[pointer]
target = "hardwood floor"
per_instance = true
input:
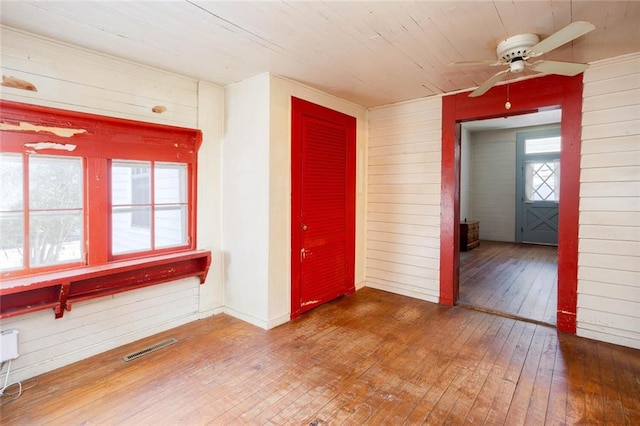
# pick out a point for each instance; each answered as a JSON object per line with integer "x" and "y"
{"x": 369, "y": 358}
{"x": 517, "y": 279}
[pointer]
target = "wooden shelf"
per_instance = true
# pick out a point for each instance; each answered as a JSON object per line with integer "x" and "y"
{"x": 59, "y": 290}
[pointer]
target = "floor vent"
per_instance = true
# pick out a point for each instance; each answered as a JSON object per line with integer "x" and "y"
{"x": 145, "y": 351}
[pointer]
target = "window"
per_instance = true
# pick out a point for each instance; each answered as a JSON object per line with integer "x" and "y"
{"x": 542, "y": 180}
{"x": 143, "y": 218}
{"x": 87, "y": 190}
{"x": 45, "y": 227}
{"x": 92, "y": 206}
{"x": 542, "y": 169}
{"x": 140, "y": 194}
{"x": 542, "y": 145}
{"x": 11, "y": 212}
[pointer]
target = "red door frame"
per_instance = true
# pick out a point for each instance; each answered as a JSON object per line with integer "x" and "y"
{"x": 300, "y": 108}
{"x": 525, "y": 96}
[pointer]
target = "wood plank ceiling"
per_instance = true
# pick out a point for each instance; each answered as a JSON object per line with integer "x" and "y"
{"x": 371, "y": 53}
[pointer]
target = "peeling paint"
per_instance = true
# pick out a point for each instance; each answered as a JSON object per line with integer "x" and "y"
{"x": 51, "y": 145}
{"x": 16, "y": 83}
{"x": 28, "y": 127}
{"x": 310, "y": 302}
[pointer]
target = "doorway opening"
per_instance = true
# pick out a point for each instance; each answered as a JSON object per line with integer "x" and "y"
{"x": 532, "y": 95}
{"x": 509, "y": 199}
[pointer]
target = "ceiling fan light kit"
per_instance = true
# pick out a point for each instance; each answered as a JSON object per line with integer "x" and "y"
{"x": 514, "y": 52}
{"x": 516, "y": 47}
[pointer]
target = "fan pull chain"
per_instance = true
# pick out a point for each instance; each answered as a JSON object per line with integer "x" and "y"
{"x": 507, "y": 105}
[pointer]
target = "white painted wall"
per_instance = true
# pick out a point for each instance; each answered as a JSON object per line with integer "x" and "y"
{"x": 403, "y": 198}
{"x": 245, "y": 183}
{"x": 77, "y": 79}
{"x": 466, "y": 195}
{"x": 211, "y": 123}
{"x": 71, "y": 78}
{"x": 493, "y": 183}
{"x": 257, "y": 195}
{"x": 609, "y": 244}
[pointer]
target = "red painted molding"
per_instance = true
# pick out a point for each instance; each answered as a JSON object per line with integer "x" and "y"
{"x": 98, "y": 140}
{"x": 525, "y": 96}
{"x": 296, "y": 202}
{"x": 98, "y": 136}
{"x": 450, "y": 205}
{"x": 569, "y": 212}
{"x": 59, "y": 290}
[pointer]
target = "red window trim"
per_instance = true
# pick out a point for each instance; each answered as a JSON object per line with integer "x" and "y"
{"x": 60, "y": 289}
{"x": 98, "y": 140}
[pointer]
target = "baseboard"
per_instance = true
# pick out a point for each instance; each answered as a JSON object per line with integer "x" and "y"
{"x": 282, "y": 319}
{"x": 246, "y": 318}
{"x": 211, "y": 312}
{"x": 404, "y": 292}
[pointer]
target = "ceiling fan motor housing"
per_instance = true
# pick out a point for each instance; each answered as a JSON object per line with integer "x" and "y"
{"x": 516, "y": 47}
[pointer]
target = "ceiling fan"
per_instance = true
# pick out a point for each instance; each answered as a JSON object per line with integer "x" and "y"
{"x": 515, "y": 51}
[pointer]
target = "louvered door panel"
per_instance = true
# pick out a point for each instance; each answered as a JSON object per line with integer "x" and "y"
{"x": 325, "y": 220}
{"x": 323, "y": 211}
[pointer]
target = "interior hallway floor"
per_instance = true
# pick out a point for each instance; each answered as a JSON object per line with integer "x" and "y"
{"x": 516, "y": 279}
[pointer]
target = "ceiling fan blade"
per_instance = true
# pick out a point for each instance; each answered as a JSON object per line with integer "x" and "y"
{"x": 484, "y": 87}
{"x": 565, "y": 35}
{"x": 489, "y": 62}
{"x": 561, "y": 68}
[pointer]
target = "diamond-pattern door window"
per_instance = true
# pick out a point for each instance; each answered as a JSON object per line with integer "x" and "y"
{"x": 542, "y": 181}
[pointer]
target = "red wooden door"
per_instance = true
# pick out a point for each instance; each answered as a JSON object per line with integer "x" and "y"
{"x": 323, "y": 205}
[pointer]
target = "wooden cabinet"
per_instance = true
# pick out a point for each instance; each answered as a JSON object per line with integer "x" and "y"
{"x": 469, "y": 235}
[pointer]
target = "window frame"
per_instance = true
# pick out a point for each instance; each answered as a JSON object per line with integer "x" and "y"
{"x": 153, "y": 208}
{"x": 28, "y": 211}
{"x": 98, "y": 140}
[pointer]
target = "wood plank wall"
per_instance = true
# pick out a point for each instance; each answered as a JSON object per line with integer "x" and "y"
{"x": 609, "y": 250}
{"x": 493, "y": 192}
{"x": 75, "y": 79}
{"x": 403, "y": 198}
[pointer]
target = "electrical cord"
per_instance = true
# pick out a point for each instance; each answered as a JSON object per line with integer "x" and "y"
{"x": 13, "y": 395}
{"x": 10, "y": 394}
{"x": 6, "y": 377}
